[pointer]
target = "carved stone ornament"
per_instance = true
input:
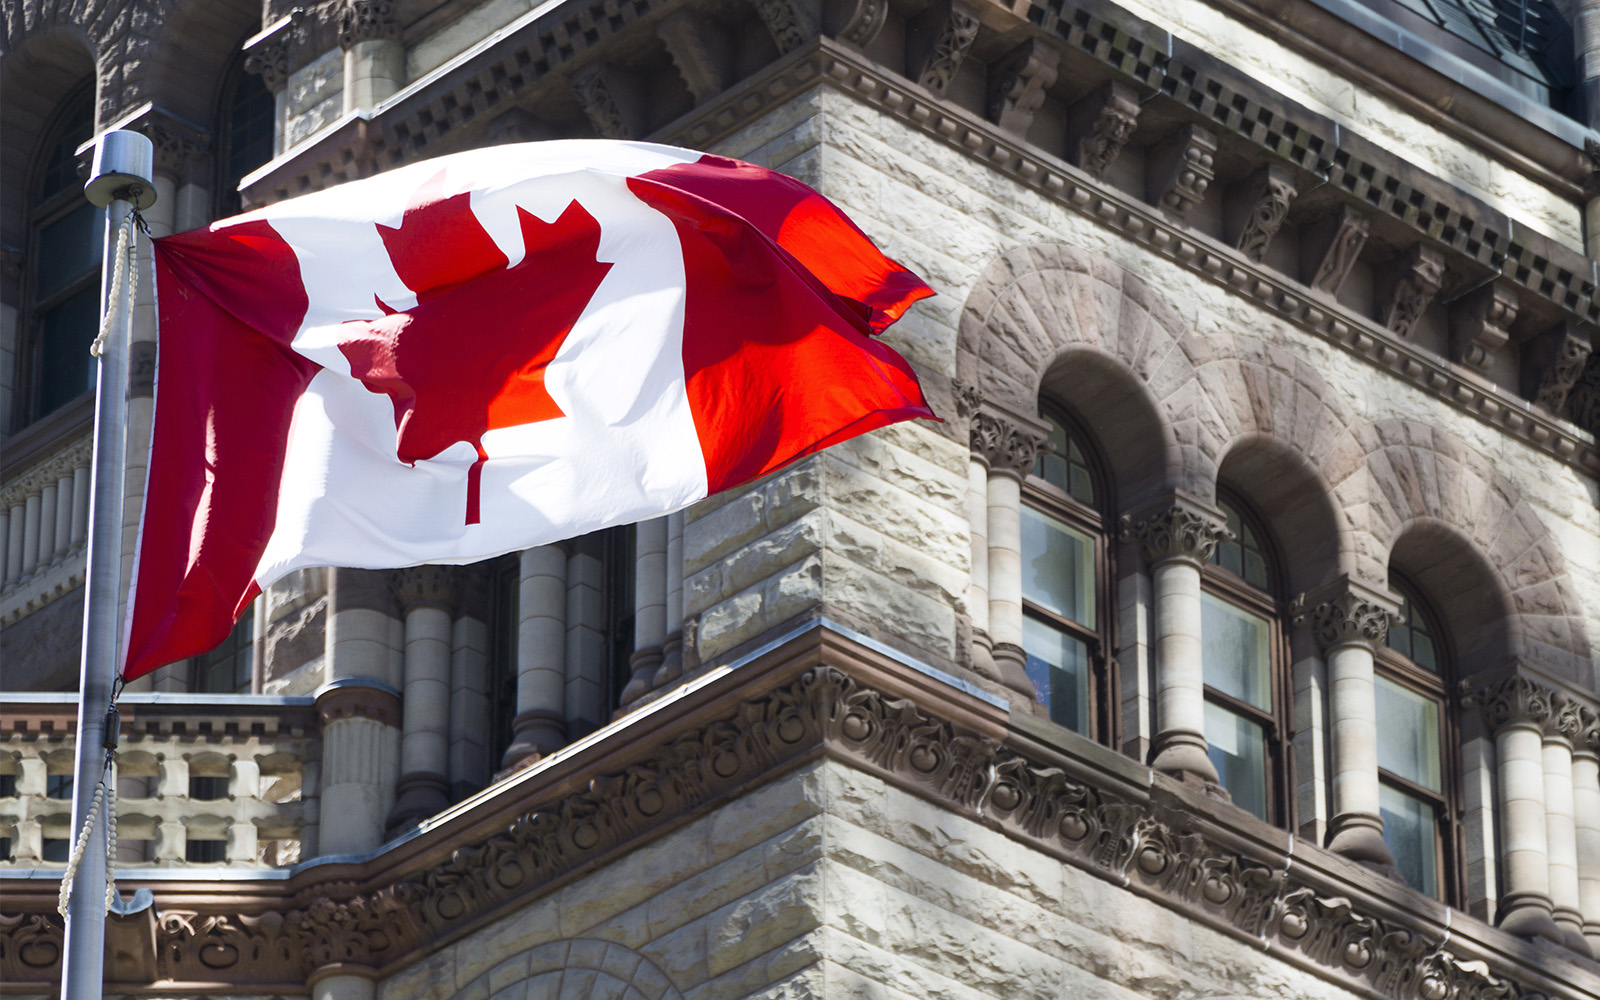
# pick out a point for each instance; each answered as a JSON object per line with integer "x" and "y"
{"x": 367, "y": 21}
{"x": 864, "y": 22}
{"x": 956, "y": 36}
{"x": 1588, "y": 739}
{"x": 1583, "y": 399}
{"x": 1348, "y": 614}
{"x": 1272, "y": 191}
{"x": 789, "y": 22}
{"x": 358, "y": 701}
{"x": 1182, "y": 529}
{"x": 1006, "y": 444}
{"x": 1566, "y": 719}
{"x": 1558, "y": 357}
{"x": 1348, "y": 237}
{"x": 270, "y": 61}
{"x": 1422, "y": 274}
{"x": 1190, "y": 167}
{"x": 600, "y": 104}
{"x": 1514, "y": 701}
{"x": 968, "y": 398}
{"x": 1018, "y": 81}
{"x": 684, "y": 35}
{"x": 425, "y": 586}
{"x": 1481, "y": 323}
{"x": 1149, "y": 845}
{"x": 1114, "y": 123}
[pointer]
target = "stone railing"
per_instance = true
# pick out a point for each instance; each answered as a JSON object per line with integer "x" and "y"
{"x": 201, "y": 779}
{"x": 44, "y": 520}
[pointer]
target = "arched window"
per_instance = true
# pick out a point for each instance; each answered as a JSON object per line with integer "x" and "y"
{"x": 1417, "y": 777}
{"x": 1066, "y": 613}
{"x": 1241, "y": 611}
{"x": 245, "y": 123}
{"x": 62, "y": 286}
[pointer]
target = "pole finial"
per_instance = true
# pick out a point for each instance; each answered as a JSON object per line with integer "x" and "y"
{"x": 124, "y": 168}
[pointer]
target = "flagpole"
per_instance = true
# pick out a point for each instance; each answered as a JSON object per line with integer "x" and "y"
{"x": 120, "y": 181}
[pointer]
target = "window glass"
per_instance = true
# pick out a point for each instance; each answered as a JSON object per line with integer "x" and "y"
{"x": 226, "y": 669}
{"x": 59, "y": 786}
{"x": 67, "y": 329}
{"x": 208, "y": 789}
{"x": 1236, "y": 651}
{"x": 1409, "y": 826}
{"x": 1243, "y": 556}
{"x": 205, "y": 850}
{"x": 1408, "y": 734}
{"x": 70, "y": 248}
{"x": 60, "y": 169}
{"x": 1238, "y": 750}
{"x": 1058, "y": 666}
{"x": 1064, "y": 466}
{"x": 55, "y": 849}
{"x": 1058, "y": 568}
{"x": 1412, "y": 637}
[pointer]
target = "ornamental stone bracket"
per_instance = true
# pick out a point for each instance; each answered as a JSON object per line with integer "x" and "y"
{"x": 790, "y": 22}
{"x": 1102, "y": 123}
{"x": 1017, "y": 84}
{"x": 1049, "y": 790}
{"x": 1344, "y": 237}
{"x": 1269, "y": 193}
{"x": 688, "y": 40}
{"x": 179, "y": 144}
{"x": 1480, "y": 324}
{"x": 1180, "y": 526}
{"x": 1421, "y": 274}
{"x": 1347, "y": 611}
{"x": 940, "y": 44}
{"x": 1552, "y": 363}
{"x": 1007, "y": 442}
{"x": 290, "y": 43}
{"x": 1182, "y": 168}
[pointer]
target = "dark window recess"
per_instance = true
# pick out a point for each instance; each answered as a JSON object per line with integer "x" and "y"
{"x": 205, "y": 850}
{"x": 55, "y": 849}
{"x": 8, "y": 786}
{"x": 5, "y": 848}
{"x": 58, "y": 786}
{"x": 208, "y": 789}
{"x": 248, "y": 115}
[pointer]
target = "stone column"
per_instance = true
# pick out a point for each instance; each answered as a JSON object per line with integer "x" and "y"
{"x": 1517, "y": 710}
{"x": 1351, "y": 621}
{"x": 968, "y": 400}
{"x": 470, "y": 767}
{"x": 343, "y": 981}
{"x": 1561, "y": 732}
{"x": 1007, "y": 445}
{"x": 541, "y": 722}
{"x": 427, "y": 594}
{"x": 649, "y": 607}
{"x": 672, "y": 647}
{"x": 374, "y": 59}
{"x": 1178, "y": 534}
{"x": 1586, "y": 820}
{"x": 586, "y": 636}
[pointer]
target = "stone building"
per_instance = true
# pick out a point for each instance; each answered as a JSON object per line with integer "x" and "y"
{"x": 1233, "y": 635}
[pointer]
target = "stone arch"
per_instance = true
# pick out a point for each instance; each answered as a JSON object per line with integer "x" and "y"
{"x": 119, "y": 35}
{"x": 188, "y": 60}
{"x": 35, "y": 77}
{"x": 1307, "y": 527}
{"x": 1424, "y": 480}
{"x": 1460, "y": 588}
{"x": 586, "y": 968}
{"x": 1035, "y": 310}
{"x": 1119, "y": 415}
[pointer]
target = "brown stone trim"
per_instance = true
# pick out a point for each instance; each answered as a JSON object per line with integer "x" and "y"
{"x": 819, "y": 694}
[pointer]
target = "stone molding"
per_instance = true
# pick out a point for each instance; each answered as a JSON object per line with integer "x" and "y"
{"x": 685, "y": 36}
{"x": 367, "y": 21}
{"x": 968, "y": 398}
{"x": 863, "y": 22}
{"x": 1583, "y": 400}
{"x": 425, "y": 587}
{"x": 1515, "y": 700}
{"x": 290, "y": 43}
{"x": 355, "y": 700}
{"x": 47, "y": 472}
{"x": 1180, "y": 527}
{"x": 1588, "y": 736}
{"x": 1007, "y": 443}
{"x": 1346, "y": 612}
{"x": 1566, "y": 720}
{"x": 1156, "y": 840}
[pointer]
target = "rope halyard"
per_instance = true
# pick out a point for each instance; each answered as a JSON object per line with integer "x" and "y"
{"x": 124, "y": 270}
{"x": 105, "y": 794}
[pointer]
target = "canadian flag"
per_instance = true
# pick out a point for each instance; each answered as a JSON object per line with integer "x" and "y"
{"x": 489, "y": 351}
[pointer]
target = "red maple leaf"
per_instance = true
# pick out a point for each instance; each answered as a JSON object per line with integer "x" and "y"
{"x": 470, "y": 356}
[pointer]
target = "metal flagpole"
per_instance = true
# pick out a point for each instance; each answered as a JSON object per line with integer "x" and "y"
{"x": 120, "y": 181}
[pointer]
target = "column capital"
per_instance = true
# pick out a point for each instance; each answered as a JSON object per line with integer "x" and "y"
{"x": 1179, "y": 526}
{"x": 1010, "y": 443}
{"x": 1566, "y": 720}
{"x": 358, "y": 698}
{"x": 367, "y": 21}
{"x": 1514, "y": 700}
{"x": 1588, "y": 738}
{"x": 1347, "y": 612}
{"x": 425, "y": 586}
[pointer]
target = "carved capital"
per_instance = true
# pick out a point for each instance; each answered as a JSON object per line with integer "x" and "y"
{"x": 1588, "y": 737}
{"x": 1514, "y": 700}
{"x": 1344, "y": 242}
{"x": 686, "y": 37}
{"x": 790, "y": 23}
{"x": 1480, "y": 323}
{"x": 599, "y": 102}
{"x": 267, "y": 54}
{"x": 1180, "y": 527}
{"x": 1007, "y": 443}
{"x": 968, "y": 398}
{"x": 1421, "y": 276}
{"x": 1112, "y": 115}
{"x": 955, "y": 34}
{"x": 1566, "y": 719}
{"x": 1268, "y": 194}
{"x": 1347, "y": 612}
{"x": 425, "y": 587}
{"x": 367, "y": 21}
{"x": 1018, "y": 81}
{"x": 358, "y": 700}
{"x": 1552, "y": 363}
{"x": 1583, "y": 399}
{"x": 1183, "y": 168}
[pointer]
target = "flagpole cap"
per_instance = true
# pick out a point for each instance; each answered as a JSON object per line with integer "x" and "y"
{"x": 124, "y": 169}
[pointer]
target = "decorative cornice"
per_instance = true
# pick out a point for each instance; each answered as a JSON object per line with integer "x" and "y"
{"x": 50, "y": 470}
{"x": 1181, "y": 527}
{"x": 1151, "y": 841}
{"x": 1514, "y": 700}
{"x": 1007, "y": 443}
{"x": 1347, "y": 612}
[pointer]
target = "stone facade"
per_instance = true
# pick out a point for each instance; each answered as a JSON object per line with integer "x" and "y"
{"x": 1267, "y": 286}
